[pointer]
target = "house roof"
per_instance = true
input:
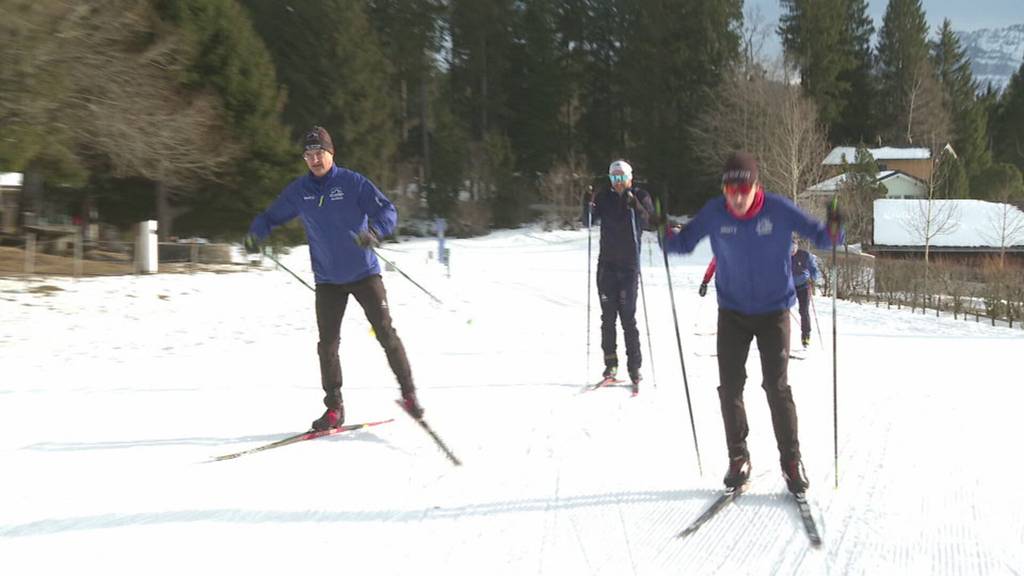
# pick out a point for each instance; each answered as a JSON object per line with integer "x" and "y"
{"x": 10, "y": 179}
{"x": 977, "y": 223}
{"x": 835, "y": 157}
{"x": 834, "y": 183}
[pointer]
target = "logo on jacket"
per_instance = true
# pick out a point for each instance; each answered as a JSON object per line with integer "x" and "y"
{"x": 727, "y": 229}
{"x": 336, "y": 194}
{"x": 764, "y": 226}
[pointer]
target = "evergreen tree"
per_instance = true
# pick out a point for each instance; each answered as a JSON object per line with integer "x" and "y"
{"x": 231, "y": 60}
{"x": 909, "y": 101}
{"x": 1000, "y": 182}
{"x": 970, "y": 134}
{"x": 858, "y": 122}
{"x": 673, "y": 56}
{"x": 859, "y": 191}
{"x": 951, "y": 181}
{"x": 449, "y": 146}
{"x": 1008, "y": 124}
{"x": 830, "y": 42}
{"x": 601, "y": 126}
{"x": 329, "y": 58}
{"x": 480, "y": 32}
{"x": 410, "y": 35}
{"x": 813, "y": 34}
{"x": 537, "y": 88}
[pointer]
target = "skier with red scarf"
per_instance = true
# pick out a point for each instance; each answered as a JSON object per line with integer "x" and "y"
{"x": 750, "y": 231}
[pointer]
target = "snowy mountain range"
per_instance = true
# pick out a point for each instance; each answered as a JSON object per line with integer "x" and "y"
{"x": 995, "y": 53}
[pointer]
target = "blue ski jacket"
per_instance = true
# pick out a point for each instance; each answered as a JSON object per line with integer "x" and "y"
{"x": 333, "y": 209}
{"x": 754, "y": 269}
{"x": 805, "y": 268}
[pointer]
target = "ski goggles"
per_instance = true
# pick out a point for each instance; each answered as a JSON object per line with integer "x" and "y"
{"x": 738, "y": 188}
{"x": 618, "y": 178}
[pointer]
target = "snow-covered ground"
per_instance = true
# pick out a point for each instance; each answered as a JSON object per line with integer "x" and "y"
{"x": 115, "y": 391}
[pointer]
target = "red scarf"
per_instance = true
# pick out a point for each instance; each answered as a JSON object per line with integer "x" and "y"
{"x": 755, "y": 206}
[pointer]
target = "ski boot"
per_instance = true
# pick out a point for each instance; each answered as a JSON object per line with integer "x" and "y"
{"x": 796, "y": 477}
{"x": 739, "y": 471}
{"x": 411, "y": 405}
{"x": 634, "y": 379}
{"x": 332, "y": 418}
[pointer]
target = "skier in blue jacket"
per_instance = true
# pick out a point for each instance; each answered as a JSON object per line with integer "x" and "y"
{"x": 345, "y": 216}
{"x": 805, "y": 274}
{"x": 750, "y": 231}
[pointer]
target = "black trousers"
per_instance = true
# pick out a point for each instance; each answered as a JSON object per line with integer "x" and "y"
{"x": 331, "y": 300}
{"x": 617, "y": 288}
{"x": 803, "y": 296}
{"x": 735, "y": 332}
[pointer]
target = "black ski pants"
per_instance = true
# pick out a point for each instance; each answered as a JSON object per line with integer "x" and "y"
{"x": 803, "y": 296}
{"x": 735, "y": 333}
{"x": 331, "y": 300}
{"x": 617, "y": 288}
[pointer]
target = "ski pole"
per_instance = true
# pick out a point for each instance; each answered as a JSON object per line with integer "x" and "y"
{"x": 814, "y": 310}
{"x": 406, "y": 276}
{"x": 285, "y": 268}
{"x": 643, "y": 296}
{"x": 679, "y": 340}
{"x": 835, "y": 356}
{"x": 590, "y": 222}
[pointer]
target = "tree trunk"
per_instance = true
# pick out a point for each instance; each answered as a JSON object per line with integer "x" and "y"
{"x": 424, "y": 131}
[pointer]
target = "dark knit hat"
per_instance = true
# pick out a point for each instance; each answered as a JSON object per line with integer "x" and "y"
{"x": 740, "y": 167}
{"x": 318, "y": 139}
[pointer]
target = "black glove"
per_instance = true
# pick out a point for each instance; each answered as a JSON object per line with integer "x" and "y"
{"x": 251, "y": 243}
{"x": 703, "y": 290}
{"x": 367, "y": 239}
{"x": 631, "y": 200}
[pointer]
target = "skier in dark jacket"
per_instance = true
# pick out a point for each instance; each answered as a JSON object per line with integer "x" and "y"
{"x": 805, "y": 274}
{"x": 618, "y": 264}
{"x": 344, "y": 215}
{"x": 750, "y": 232}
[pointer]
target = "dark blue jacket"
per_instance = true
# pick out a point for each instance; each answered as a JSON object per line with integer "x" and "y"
{"x": 805, "y": 267}
{"x": 754, "y": 274}
{"x": 618, "y": 246}
{"x": 333, "y": 210}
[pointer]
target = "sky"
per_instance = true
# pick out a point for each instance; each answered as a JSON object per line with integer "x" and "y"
{"x": 116, "y": 392}
{"x": 964, "y": 15}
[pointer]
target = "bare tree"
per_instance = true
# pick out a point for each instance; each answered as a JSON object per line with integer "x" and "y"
{"x": 931, "y": 218}
{"x": 562, "y": 190}
{"x": 1006, "y": 228}
{"x": 93, "y": 73}
{"x": 927, "y": 119}
{"x": 773, "y": 120}
{"x": 1006, "y": 220}
{"x": 795, "y": 142}
{"x": 756, "y": 31}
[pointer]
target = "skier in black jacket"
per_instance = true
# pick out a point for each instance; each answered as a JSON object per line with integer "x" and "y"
{"x": 618, "y": 264}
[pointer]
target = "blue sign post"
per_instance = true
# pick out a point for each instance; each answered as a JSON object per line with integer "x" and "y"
{"x": 440, "y": 225}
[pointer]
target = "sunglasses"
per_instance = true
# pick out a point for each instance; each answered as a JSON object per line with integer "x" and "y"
{"x": 313, "y": 154}
{"x": 618, "y": 178}
{"x": 738, "y": 188}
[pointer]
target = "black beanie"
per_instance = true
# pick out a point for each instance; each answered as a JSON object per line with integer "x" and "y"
{"x": 318, "y": 139}
{"x": 740, "y": 167}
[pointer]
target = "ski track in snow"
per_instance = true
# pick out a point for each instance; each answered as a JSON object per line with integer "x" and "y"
{"x": 146, "y": 377}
